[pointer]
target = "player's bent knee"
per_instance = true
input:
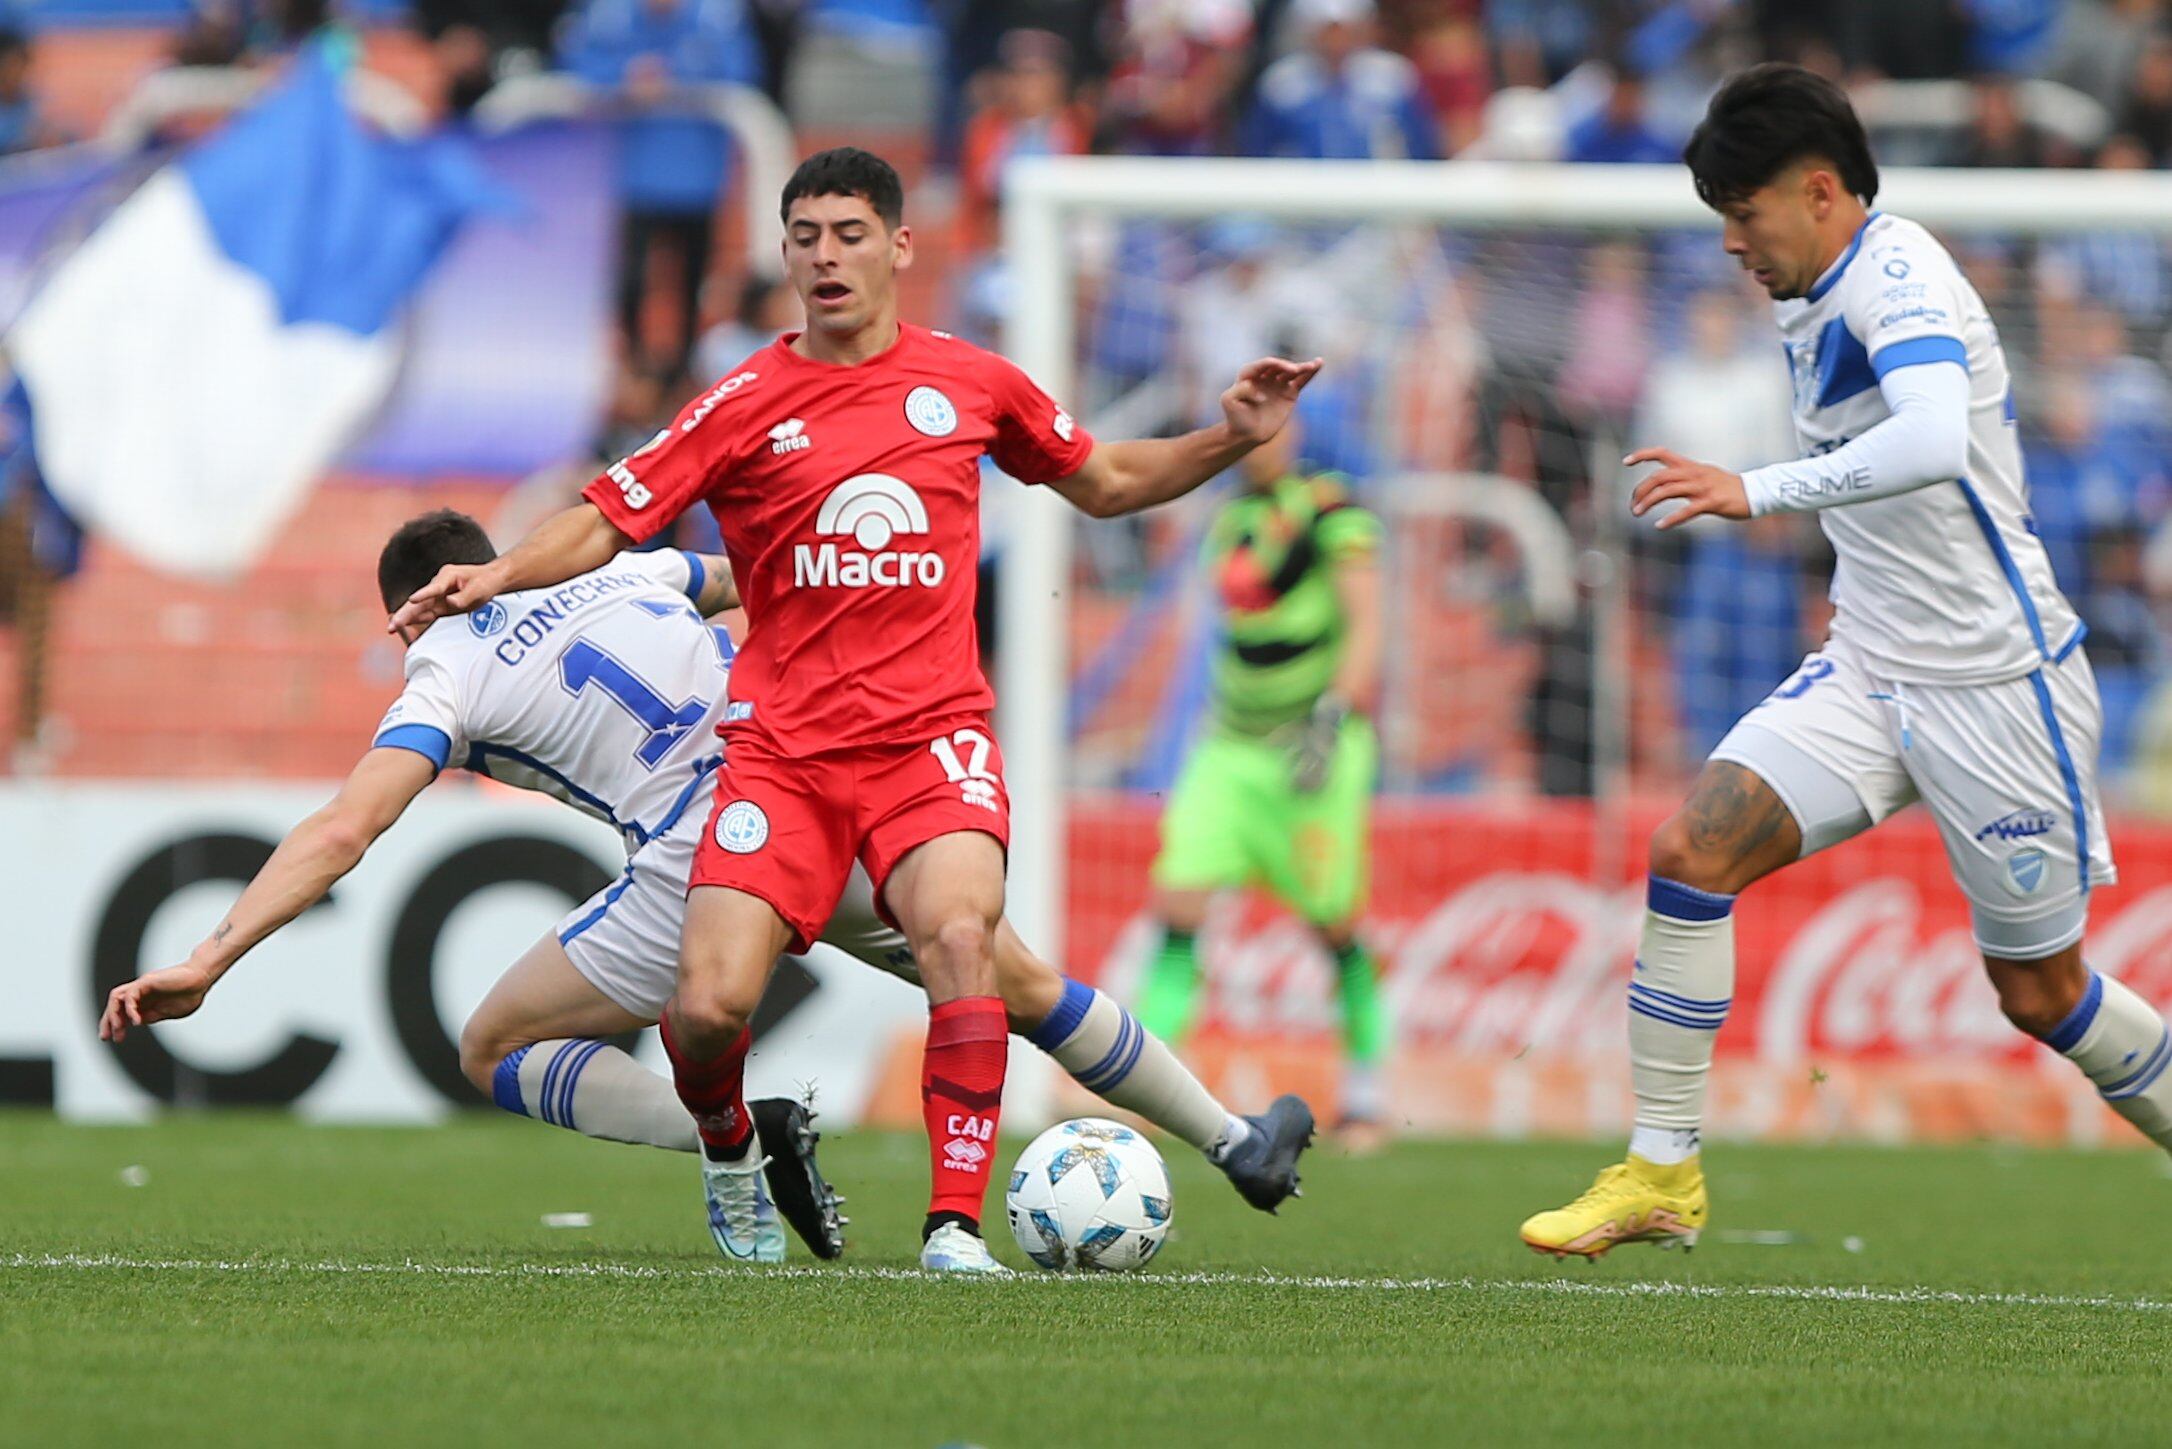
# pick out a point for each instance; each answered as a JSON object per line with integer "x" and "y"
{"x": 710, "y": 1015}
{"x": 1676, "y": 856}
{"x": 481, "y": 1049}
{"x": 958, "y": 957}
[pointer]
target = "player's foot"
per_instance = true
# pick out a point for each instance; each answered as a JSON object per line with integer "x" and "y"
{"x": 955, "y": 1248}
{"x": 1631, "y": 1202}
{"x": 741, "y": 1217}
{"x": 1263, "y": 1167}
{"x": 803, "y": 1197}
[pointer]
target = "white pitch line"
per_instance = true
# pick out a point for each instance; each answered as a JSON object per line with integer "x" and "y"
{"x": 1556, "y": 1287}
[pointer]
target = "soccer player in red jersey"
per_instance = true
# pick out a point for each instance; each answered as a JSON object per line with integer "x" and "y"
{"x": 843, "y": 465}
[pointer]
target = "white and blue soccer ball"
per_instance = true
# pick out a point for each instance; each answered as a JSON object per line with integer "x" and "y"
{"x": 1089, "y": 1193}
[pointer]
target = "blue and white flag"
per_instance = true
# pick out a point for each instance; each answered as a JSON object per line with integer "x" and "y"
{"x": 207, "y": 352}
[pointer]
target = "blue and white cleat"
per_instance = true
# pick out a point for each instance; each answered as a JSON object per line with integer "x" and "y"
{"x": 951, "y": 1248}
{"x": 741, "y": 1217}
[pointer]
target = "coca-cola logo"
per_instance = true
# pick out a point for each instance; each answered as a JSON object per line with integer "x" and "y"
{"x": 1515, "y": 961}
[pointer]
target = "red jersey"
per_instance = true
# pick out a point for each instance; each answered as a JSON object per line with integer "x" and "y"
{"x": 849, "y": 500}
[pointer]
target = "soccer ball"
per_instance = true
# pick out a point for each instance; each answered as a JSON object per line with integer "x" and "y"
{"x": 1090, "y": 1193}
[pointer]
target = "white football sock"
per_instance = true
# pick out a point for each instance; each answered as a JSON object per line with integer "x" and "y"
{"x": 1678, "y": 996}
{"x": 2122, "y": 1044}
{"x": 1120, "y": 1061}
{"x": 593, "y": 1088}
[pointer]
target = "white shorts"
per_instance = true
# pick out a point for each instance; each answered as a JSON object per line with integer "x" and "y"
{"x": 625, "y": 938}
{"x": 2009, "y": 771}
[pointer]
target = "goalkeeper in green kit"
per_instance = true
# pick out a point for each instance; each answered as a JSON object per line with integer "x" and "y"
{"x": 1278, "y": 793}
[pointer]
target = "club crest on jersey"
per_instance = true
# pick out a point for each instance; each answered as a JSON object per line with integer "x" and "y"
{"x": 488, "y": 620}
{"x": 872, "y": 510}
{"x": 2027, "y": 868}
{"x": 789, "y": 436}
{"x": 742, "y": 828}
{"x": 930, "y": 412}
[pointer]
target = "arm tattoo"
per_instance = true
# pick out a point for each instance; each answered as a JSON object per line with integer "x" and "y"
{"x": 218, "y": 937}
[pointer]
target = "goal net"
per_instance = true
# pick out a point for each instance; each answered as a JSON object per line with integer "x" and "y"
{"x": 1496, "y": 338}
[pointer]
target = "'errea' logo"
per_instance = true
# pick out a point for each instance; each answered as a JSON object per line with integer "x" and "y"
{"x": 873, "y": 510}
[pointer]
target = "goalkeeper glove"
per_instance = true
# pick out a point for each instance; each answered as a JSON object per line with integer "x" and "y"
{"x": 1317, "y": 735}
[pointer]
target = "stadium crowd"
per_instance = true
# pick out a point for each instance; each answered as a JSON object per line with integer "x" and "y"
{"x": 1485, "y": 367}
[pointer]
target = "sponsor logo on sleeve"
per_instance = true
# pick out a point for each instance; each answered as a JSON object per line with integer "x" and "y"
{"x": 1063, "y": 425}
{"x": 713, "y": 396}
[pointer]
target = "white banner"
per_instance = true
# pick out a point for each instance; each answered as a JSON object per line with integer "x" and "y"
{"x": 353, "y": 1012}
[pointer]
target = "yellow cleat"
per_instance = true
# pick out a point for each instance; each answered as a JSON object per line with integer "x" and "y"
{"x": 1631, "y": 1202}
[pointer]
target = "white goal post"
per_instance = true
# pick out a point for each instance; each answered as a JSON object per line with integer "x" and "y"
{"x": 1046, "y": 199}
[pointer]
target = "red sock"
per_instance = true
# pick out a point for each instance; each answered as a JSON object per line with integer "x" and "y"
{"x": 961, "y": 1093}
{"x": 713, "y": 1091}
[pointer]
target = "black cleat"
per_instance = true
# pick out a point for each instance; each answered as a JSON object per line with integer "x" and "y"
{"x": 803, "y": 1198}
{"x": 1264, "y": 1166}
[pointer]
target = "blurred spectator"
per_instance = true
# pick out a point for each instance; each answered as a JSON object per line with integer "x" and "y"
{"x": 1738, "y": 625}
{"x": 1610, "y": 341}
{"x": 214, "y": 35}
{"x": 2012, "y": 37}
{"x": 23, "y": 126}
{"x": 672, "y": 165}
{"x": 2132, "y": 402}
{"x": 1619, "y": 132}
{"x": 1339, "y": 97}
{"x": 515, "y": 34}
{"x": 1540, "y": 40}
{"x": 1998, "y": 133}
{"x": 1177, "y": 65}
{"x": 973, "y": 32}
{"x": 2074, "y": 487}
{"x": 2097, "y": 44}
{"x": 1026, "y": 111}
{"x": 767, "y": 309}
{"x": 1907, "y": 39}
{"x": 778, "y": 27}
{"x": 1448, "y": 46}
{"x": 2125, "y": 270}
{"x": 2148, "y": 113}
{"x": 1724, "y": 399}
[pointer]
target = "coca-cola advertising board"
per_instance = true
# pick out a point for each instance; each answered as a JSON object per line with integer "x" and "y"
{"x": 1505, "y": 934}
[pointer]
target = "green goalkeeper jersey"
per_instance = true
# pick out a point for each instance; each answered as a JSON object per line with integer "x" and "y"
{"x": 1272, "y": 553}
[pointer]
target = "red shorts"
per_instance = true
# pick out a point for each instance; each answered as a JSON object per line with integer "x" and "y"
{"x": 787, "y": 829}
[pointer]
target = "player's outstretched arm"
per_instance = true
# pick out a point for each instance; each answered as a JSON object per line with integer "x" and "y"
{"x": 1923, "y": 440}
{"x": 565, "y": 544}
{"x": 1124, "y": 477}
{"x": 315, "y": 854}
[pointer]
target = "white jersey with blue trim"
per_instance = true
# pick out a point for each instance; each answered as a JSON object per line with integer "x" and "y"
{"x": 1945, "y": 584}
{"x": 604, "y": 691}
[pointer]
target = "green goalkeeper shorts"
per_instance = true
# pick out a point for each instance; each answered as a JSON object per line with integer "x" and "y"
{"x": 1235, "y": 819}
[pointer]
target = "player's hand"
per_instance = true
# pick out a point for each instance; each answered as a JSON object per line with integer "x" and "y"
{"x": 1701, "y": 487}
{"x": 164, "y": 995}
{"x": 1258, "y": 403}
{"x": 1313, "y": 757}
{"x": 456, "y": 589}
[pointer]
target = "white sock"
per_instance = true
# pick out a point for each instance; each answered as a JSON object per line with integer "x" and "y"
{"x": 593, "y": 1088}
{"x": 1678, "y": 997}
{"x": 2122, "y": 1044}
{"x": 1111, "y": 1055}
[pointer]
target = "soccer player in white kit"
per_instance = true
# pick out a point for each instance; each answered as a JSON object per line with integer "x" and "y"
{"x": 1954, "y": 673}
{"x": 605, "y": 692}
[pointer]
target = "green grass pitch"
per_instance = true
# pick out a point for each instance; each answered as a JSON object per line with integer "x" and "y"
{"x": 263, "y": 1282}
